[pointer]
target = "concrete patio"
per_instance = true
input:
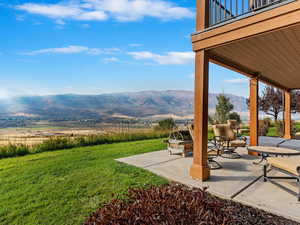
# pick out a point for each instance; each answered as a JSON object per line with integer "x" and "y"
{"x": 239, "y": 180}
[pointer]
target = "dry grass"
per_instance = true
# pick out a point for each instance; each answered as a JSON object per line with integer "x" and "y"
{"x": 24, "y": 145}
{"x": 34, "y": 136}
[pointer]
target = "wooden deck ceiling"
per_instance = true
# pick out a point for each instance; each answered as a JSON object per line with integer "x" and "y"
{"x": 274, "y": 56}
{"x": 265, "y": 44}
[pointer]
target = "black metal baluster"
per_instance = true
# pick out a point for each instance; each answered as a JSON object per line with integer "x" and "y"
{"x": 220, "y": 11}
{"x": 225, "y": 10}
{"x": 215, "y": 11}
{"x": 230, "y": 8}
{"x": 210, "y": 12}
{"x": 243, "y": 6}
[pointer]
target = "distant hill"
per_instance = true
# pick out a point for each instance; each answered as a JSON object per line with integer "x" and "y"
{"x": 143, "y": 104}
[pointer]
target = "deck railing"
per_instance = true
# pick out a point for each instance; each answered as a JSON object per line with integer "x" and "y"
{"x": 224, "y": 10}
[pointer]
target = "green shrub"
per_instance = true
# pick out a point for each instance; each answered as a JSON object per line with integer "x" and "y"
{"x": 267, "y": 121}
{"x": 12, "y": 150}
{"x": 235, "y": 116}
{"x": 59, "y": 143}
{"x": 280, "y": 128}
{"x": 166, "y": 124}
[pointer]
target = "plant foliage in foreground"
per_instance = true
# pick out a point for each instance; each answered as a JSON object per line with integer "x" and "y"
{"x": 180, "y": 205}
{"x": 58, "y": 143}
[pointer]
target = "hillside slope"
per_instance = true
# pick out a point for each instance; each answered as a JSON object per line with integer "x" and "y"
{"x": 135, "y": 104}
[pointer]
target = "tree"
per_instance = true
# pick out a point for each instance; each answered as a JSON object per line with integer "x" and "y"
{"x": 295, "y": 101}
{"x": 272, "y": 102}
{"x": 234, "y": 116}
{"x": 166, "y": 124}
{"x": 211, "y": 119}
{"x": 223, "y": 109}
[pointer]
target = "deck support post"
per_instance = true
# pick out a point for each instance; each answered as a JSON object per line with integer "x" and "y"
{"x": 200, "y": 169}
{"x": 254, "y": 85}
{"x": 287, "y": 115}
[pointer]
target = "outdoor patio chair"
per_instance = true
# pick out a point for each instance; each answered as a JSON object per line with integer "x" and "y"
{"x": 288, "y": 166}
{"x": 212, "y": 151}
{"x": 234, "y": 125}
{"x": 227, "y": 141}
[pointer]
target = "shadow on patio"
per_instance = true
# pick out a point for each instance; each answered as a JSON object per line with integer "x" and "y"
{"x": 239, "y": 179}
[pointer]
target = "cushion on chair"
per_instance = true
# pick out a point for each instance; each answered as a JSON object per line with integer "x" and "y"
{"x": 220, "y": 130}
{"x": 237, "y": 143}
{"x": 224, "y": 131}
{"x": 291, "y": 165}
{"x": 212, "y": 153}
{"x": 233, "y": 124}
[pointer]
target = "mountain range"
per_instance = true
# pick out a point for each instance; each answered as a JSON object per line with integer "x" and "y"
{"x": 144, "y": 104}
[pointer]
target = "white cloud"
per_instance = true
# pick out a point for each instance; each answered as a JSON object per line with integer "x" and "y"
{"x": 191, "y": 76}
{"x": 188, "y": 36}
{"x": 99, "y": 10}
{"x": 51, "y": 10}
{"x": 170, "y": 58}
{"x": 20, "y": 17}
{"x": 74, "y": 49}
{"x": 60, "y": 22}
{"x": 111, "y": 51}
{"x": 93, "y": 15}
{"x": 237, "y": 81}
{"x": 110, "y": 59}
{"x": 135, "y": 45}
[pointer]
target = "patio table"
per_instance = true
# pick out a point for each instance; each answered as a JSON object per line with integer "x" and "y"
{"x": 268, "y": 151}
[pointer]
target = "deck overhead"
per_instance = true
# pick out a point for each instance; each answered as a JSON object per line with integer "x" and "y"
{"x": 274, "y": 56}
{"x": 261, "y": 43}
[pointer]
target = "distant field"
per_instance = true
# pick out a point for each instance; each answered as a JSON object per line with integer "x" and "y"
{"x": 33, "y": 135}
{"x": 30, "y": 128}
{"x": 40, "y": 132}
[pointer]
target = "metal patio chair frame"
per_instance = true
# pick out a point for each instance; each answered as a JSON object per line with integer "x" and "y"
{"x": 289, "y": 176}
{"x": 224, "y": 142}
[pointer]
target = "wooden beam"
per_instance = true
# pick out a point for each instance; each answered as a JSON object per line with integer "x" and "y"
{"x": 275, "y": 19}
{"x": 221, "y": 61}
{"x": 254, "y": 85}
{"x": 200, "y": 169}
{"x": 272, "y": 83}
{"x": 287, "y": 115}
{"x": 231, "y": 65}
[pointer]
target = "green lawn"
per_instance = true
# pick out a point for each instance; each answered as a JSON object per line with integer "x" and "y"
{"x": 64, "y": 187}
{"x": 273, "y": 132}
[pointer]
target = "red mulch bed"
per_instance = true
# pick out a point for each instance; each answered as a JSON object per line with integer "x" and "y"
{"x": 178, "y": 204}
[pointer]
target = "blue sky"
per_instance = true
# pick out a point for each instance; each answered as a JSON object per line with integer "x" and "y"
{"x": 101, "y": 46}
